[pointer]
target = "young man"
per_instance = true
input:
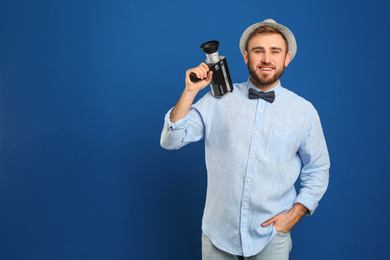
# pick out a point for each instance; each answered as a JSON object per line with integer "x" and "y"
{"x": 255, "y": 140}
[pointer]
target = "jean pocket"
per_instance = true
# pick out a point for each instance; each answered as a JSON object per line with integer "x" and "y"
{"x": 280, "y": 144}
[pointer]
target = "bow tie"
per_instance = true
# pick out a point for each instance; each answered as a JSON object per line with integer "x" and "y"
{"x": 267, "y": 96}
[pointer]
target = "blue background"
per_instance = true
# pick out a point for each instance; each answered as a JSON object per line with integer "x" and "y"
{"x": 84, "y": 87}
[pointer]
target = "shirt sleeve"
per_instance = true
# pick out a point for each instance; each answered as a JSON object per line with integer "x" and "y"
{"x": 316, "y": 163}
{"x": 186, "y": 130}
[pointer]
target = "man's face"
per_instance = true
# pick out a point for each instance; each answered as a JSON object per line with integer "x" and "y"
{"x": 266, "y": 58}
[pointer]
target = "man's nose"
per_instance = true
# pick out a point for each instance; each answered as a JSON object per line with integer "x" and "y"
{"x": 266, "y": 58}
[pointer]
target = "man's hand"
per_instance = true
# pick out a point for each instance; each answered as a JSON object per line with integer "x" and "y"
{"x": 285, "y": 222}
{"x": 202, "y": 72}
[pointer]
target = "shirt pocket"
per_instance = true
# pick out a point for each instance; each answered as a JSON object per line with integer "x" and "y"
{"x": 280, "y": 144}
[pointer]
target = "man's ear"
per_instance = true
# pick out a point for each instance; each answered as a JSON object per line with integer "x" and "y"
{"x": 246, "y": 57}
{"x": 287, "y": 61}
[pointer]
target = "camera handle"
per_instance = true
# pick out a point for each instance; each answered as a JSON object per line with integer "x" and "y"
{"x": 194, "y": 78}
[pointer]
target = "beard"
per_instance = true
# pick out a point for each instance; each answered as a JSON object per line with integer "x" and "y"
{"x": 261, "y": 79}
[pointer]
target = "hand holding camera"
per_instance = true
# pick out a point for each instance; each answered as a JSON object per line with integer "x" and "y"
{"x": 221, "y": 83}
{"x": 203, "y": 76}
{"x": 215, "y": 72}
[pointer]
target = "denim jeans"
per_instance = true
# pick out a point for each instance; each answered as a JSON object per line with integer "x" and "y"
{"x": 279, "y": 248}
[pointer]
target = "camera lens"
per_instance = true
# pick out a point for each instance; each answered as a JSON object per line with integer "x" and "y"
{"x": 210, "y": 47}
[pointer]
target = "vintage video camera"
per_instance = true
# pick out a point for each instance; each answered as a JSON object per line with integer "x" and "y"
{"x": 221, "y": 83}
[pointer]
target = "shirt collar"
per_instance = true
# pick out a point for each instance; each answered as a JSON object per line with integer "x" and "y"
{"x": 277, "y": 88}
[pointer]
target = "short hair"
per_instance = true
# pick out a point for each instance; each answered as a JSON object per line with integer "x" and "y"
{"x": 265, "y": 29}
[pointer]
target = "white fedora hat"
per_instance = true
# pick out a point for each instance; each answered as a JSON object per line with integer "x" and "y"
{"x": 292, "y": 44}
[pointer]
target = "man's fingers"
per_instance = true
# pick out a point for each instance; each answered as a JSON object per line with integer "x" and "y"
{"x": 201, "y": 71}
{"x": 204, "y": 66}
{"x": 269, "y": 222}
{"x": 209, "y": 76}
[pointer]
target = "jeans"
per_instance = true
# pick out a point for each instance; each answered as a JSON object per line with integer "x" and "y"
{"x": 279, "y": 248}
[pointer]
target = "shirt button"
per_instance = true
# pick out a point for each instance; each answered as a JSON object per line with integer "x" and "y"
{"x": 243, "y": 229}
{"x": 256, "y": 133}
{"x": 284, "y": 134}
{"x": 259, "y": 109}
{"x": 244, "y": 204}
{"x": 252, "y": 156}
{"x": 248, "y": 180}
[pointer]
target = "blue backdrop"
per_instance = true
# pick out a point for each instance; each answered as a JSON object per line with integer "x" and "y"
{"x": 84, "y": 87}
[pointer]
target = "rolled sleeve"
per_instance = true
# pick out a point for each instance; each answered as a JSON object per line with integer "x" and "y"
{"x": 182, "y": 132}
{"x": 315, "y": 158}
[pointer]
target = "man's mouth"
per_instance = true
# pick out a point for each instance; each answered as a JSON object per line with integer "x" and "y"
{"x": 266, "y": 68}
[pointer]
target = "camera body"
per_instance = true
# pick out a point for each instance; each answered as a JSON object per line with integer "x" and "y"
{"x": 221, "y": 82}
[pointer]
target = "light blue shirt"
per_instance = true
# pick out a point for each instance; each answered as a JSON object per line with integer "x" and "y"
{"x": 254, "y": 151}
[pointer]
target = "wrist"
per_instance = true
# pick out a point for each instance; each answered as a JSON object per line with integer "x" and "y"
{"x": 190, "y": 93}
{"x": 298, "y": 210}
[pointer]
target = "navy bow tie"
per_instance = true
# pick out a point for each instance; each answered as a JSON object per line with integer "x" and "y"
{"x": 267, "y": 96}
